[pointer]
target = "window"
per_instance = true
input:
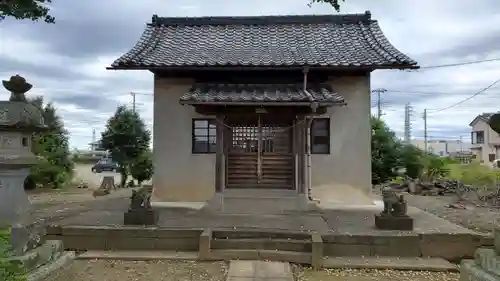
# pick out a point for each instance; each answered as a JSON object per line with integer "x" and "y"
{"x": 24, "y": 141}
{"x": 478, "y": 137}
{"x": 320, "y": 136}
{"x": 203, "y": 136}
{"x": 491, "y": 157}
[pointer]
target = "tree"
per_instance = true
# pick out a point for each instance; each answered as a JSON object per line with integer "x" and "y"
{"x": 127, "y": 138}
{"x": 334, "y": 3}
{"x": 26, "y": 9}
{"x": 55, "y": 166}
{"x": 142, "y": 169}
{"x": 412, "y": 161}
{"x": 386, "y": 152}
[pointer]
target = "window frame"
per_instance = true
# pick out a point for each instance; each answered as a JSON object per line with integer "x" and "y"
{"x": 312, "y": 136}
{"x": 477, "y": 139}
{"x": 210, "y": 121}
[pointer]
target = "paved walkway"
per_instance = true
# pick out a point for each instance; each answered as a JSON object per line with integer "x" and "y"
{"x": 259, "y": 271}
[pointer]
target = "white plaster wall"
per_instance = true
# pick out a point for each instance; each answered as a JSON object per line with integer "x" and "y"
{"x": 182, "y": 176}
{"x": 179, "y": 175}
{"x": 349, "y": 161}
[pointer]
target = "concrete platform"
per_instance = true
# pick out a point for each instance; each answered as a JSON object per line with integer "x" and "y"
{"x": 259, "y": 270}
{"x": 345, "y": 231}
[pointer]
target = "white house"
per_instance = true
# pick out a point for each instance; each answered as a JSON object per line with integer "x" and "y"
{"x": 261, "y": 103}
{"x": 485, "y": 141}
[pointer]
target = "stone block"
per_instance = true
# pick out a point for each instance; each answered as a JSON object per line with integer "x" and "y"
{"x": 49, "y": 251}
{"x": 131, "y": 244}
{"x": 84, "y": 243}
{"x": 488, "y": 260}
{"x": 469, "y": 271}
{"x": 140, "y": 217}
{"x": 177, "y": 244}
{"x": 316, "y": 251}
{"x": 348, "y": 239}
{"x": 205, "y": 241}
{"x": 386, "y": 222}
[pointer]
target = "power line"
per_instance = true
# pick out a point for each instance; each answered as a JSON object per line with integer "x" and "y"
{"x": 466, "y": 99}
{"x": 458, "y": 64}
{"x": 379, "y": 104}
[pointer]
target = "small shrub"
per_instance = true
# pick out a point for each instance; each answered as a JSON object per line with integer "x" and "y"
{"x": 9, "y": 271}
{"x": 142, "y": 169}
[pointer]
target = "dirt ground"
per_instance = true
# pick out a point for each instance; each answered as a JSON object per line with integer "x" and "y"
{"x": 101, "y": 270}
{"x": 372, "y": 275}
{"x": 466, "y": 214}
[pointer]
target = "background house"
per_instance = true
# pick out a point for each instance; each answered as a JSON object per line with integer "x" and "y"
{"x": 443, "y": 147}
{"x": 485, "y": 141}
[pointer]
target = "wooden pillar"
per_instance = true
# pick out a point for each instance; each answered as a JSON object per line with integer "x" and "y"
{"x": 301, "y": 155}
{"x": 219, "y": 154}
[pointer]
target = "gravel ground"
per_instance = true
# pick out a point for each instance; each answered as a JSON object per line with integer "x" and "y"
{"x": 373, "y": 275}
{"x": 101, "y": 270}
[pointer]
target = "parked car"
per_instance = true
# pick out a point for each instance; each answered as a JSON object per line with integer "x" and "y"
{"x": 105, "y": 165}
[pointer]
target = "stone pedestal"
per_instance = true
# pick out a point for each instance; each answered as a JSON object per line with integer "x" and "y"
{"x": 486, "y": 263}
{"x": 389, "y": 222}
{"x": 140, "y": 217}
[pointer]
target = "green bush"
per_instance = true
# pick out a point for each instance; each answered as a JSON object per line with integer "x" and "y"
{"x": 142, "y": 169}
{"x": 9, "y": 271}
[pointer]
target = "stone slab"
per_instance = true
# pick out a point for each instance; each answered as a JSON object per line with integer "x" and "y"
{"x": 259, "y": 270}
{"x": 393, "y": 222}
{"x": 394, "y": 263}
{"x": 469, "y": 271}
{"x": 138, "y": 255}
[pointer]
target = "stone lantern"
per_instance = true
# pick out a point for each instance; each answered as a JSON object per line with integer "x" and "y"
{"x": 19, "y": 119}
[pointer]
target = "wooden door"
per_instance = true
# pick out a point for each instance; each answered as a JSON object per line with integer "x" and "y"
{"x": 260, "y": 153}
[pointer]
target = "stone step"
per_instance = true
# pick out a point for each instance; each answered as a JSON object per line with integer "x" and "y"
{"x": 259, "y": 270}
{"x": 138, "y": 255}
{"x": 488, "y": 260}
{"x": 393, "y": 263}
{"x": 470, "y": 271}
{"x": 49, "y": 251}
{"x": 270, "y": 255}
{"x": 262, "y": 244}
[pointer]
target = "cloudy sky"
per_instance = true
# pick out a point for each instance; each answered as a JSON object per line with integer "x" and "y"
{"x": 66, "y": 61}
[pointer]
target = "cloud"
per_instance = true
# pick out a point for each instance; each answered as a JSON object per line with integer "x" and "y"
{"x": 66, "y": 62}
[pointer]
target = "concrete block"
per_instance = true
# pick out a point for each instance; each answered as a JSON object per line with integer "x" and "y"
{"x": 29, "y": 260}
{"x": 49, "y": 251}
{"x": 97, "y": 231}
{"x": 396, "y": 246}
{"x": 83, "y": 243}
{"x": 178, "y": 233}
{"x": 346, "y": 250}
{"x": 54, "y": 230}
{"x": 316, "y": 251}
{"x": 469, "y": 271}
{"x": 452, "y": 247}
{"x": 177, "y": 244}
{"x": 204, "y": 247}
{"x": 348, "y": 239}
{"x": 131, "y": 243}
{"x": 295, "y": 257}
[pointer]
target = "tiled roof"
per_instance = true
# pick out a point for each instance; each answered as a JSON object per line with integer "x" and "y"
{"x": 344, "y": 41}
{"x": 260, "y": 93}
{"x": 485, "y": 116}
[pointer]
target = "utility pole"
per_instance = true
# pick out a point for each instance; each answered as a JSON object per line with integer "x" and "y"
{"x": 407, "y": 124}
{"x": 379, "y": 101}
{"x": 425, "y": 131}
{"x": 133, "y": 101}
{"x": 461, "y": 144}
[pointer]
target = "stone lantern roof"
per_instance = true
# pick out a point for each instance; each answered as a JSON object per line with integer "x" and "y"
{"x": 17, "y": 114}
